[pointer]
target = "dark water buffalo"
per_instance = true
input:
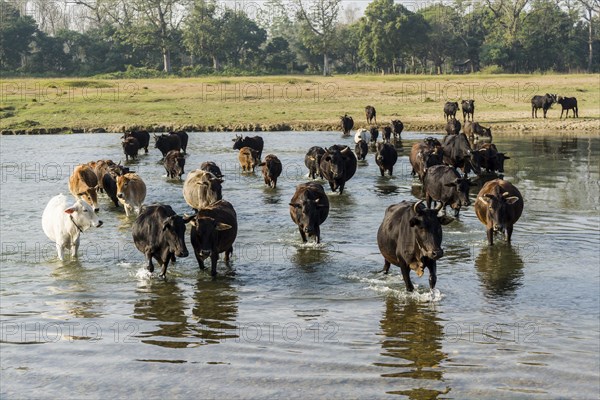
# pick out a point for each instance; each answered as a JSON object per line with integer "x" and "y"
{"x": 174, "y": 162}
{"x": 544, "y": 102}
{"x": 371, "y": 114}
{"x": 131, "y": 146}
{"x": 468, "y": 109}
{"x": 338, "y": 165}
{"x": 312, "y": 160}
{"x": 271, "y": 169}
{"x": 386, "y": 158}
{"x": 397, "y": 128}
{"x": 410, "y": 237}
{"x": 166, "y": 143}
{"x": 143, "y": 137}
{"x": 568, "y": 103}
{"x": 445, "y": 185}
{"x": 183, "y": 138}
{"x": 374, "y": 134}
{"x": 459, "y": 154}
{"x": 255, "y": 143}
{"x": 309, "y": 208}
{"x": 387, "y": 134}
{"x": 210, "y": 166}
{"x": 109, "y": 181}
{"x": 424, "y": 155}
{"x": 214, "y": 229}
{"x": 347, "y": 124}
{"x": 201, "y": 189}
{"x": 491, "y": 159}
{"x": 450, "y": 109}
{"x": 249, "y": 159}
{"x": 158, "y": 232}
{"x": 499, "y": 206}
{"x": 361, "y": 149}
{"x": 478, "y": 133}
{"x": 453, "y": 127}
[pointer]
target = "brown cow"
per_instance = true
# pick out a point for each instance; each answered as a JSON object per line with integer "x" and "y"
{"x": 271, "y": 169}
{"x": 131, "y": 192}
{"x": 424, "y": 155}
{"x": 201, "y": 189}
{"x": 83, "y": 184}
{"x": 499, "y": 206}
{"x": 249, "y": 159}
{"x": 102, "y": 167}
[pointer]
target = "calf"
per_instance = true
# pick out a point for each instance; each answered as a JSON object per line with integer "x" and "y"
{"x": 312, "y": 160}
{"x": 458, "y": 153}
{"x": 338, "y": 165}
{"x": 371, "y": 114}
{"x": 387, "y": 134}
{"x": 450, "y": 109}
{"x": 453, "y": 127}
{"x": 271, "y": 169}
{"x": 159, "y": 233}
{"x": 214, "y": 229}
{"x": 386, "y": 158}
{"x": 347, "y": 124}
{"x": 143, "y": 138}
{"x": 568, "y": 103}
{"x": 444, "y": 184}
{"x": 83, "y": 184}
{"x": 131, "y": 146}
{"x": 362, "y": 134}
{"x": 201, "y": 189}
{"x": 424, "y": 155}
{"x": 248, "y": 159}
{"x": 499, "y": 206}
{"x": 478, "y": 133}
{"x": 361, "y": 149}
{"x": 166, "y": 143}
{"x": 309, "y": 208}
{"x": 468, "y": 109}
{"x": 255, "y": 143}
{"x": 397, "y": 128}
{"x": 174, "y": 162}
{"x": 63, "y": 223}
{"x": 131, "y": 192}
{"x": 544, "y": 102}
{"x": 410, "y": 237}
{"x": 183, "y": 138}
{"x": 210, "y": 166}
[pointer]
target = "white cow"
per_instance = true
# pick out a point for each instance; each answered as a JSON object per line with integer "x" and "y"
{"x": 362, "y": 134}
{"x": 63, "y": 223}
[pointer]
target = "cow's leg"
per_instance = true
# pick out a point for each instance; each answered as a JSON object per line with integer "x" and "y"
{"x": 490, "y": 236}
{"x": 406, "y": 276}
{"x": 432, "y": 274}
{"x": 60, "y": 251}
{"x": 150, "y": 266}
{"x": 386, "y": 267}
{"x": 342, "y": 186}
{"x": 213, "y": 262}
{"x": 228, "y": 254}
{"x": 428, "y": 199}
{"x": 456, "y": 211}
{"x": 318, "y": 234}
{"x": 509, "y": 231}
{"x": 74, "y": 248}
{"x": 391, "y": 170}
{"x": 561, "y": 113}
{"x": 199, "y": 259}
{"x": 302, "y": 234}
{"x": 576, "y": 110}
{"x": 382, "y": 170}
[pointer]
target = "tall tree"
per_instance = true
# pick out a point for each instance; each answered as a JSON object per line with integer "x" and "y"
{"x": 202, "y": 32}
{"x": 589, "y": 8}
{"x": 16, "y": 34}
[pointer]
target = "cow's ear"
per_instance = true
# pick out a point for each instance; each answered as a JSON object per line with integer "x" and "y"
{"x": 506, "y": 157}
{"x": 166, "y": 225}
{"x": 512, "y": 199}
{"x": 414, "y": 221}
{"x": 262, "y": 164}
{"x": 189, "y": 218}
{"x": 70, "y": 210}
{"x": 223, "y": 227}
{"x": 445, "y": 219}
{"x": 295, "y": 205}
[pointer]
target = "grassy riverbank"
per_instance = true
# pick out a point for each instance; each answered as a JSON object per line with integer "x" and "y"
{"x": 289, "y": 102}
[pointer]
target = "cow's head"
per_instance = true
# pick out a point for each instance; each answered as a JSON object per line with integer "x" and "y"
{"x": 307, "y": 215}
{"x": 173, "y": 229}
{"x": 209, "y": 188}
{"x": 473, "y": 161}
{"x": 336, "y": 163}
{"x": 497, "y": 204}
{"x": 462, "y": 185}
{"x": 427, "y": 227}
{"x": 237, "y": 142}
{"x": 179, "y": 165}
{"x": 499, "y": 161}
{"x": 83, "y": 215}
{"x": 122, "y": 185}
{"x": 207, "y": 233}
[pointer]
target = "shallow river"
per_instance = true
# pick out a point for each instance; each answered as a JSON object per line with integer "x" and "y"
{"x": 293, "y": 320}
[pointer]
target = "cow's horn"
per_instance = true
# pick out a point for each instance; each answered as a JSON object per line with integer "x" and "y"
{"x": 345, "y": 150}
{"x": 505, "y": 194}
{"x": 416, "y": 206}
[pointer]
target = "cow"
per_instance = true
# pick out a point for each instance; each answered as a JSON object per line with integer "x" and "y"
{"x": 109, "y": 181}
{"x": 397, "y": 128}
{"x": 453, "y": 127}
{"x": 248, "y": 159}
{"x": 101, "y": 167}
{"x": 478, "y": 133}
{"x": 544, "y": 102}
{"x": 131, "y": 192}
{"x": 347, "y": 124}
{"x": 387, "y": 134}
{"x": 131, "y": 146}
{"x": 568, "y": 103}
{"x": 410, "y": 237}
{"x": 444, "y": 184}
{"x": 63, "y": 224}
{"x": 362, "y": 134}
{"x": 183, "y": 138}
{"x": 174, "y": 162}
{"x": 166, "y": 143}
{"x": 309, "y": 208}
{"x": 83, "y": 184}
{"x": 374, "y": 134}
{"x": 361, "y": 149}
{"x": 424, "y": 155}
{"x": 159, "y": 233}
{"x": 491, "y": 159}
{"x": 499, "y": 206}
{"x": 450, "y": 109}
{"x": 386, "y": 158}
{"x": 458, "y": 153}
{"x": 468, "y": 109}
{"x": 210, "y": 166}
{"x": 338, "y": 165}
{"x": 255, "y": 143}
{"x": 143, "y": 137}
{"x": 371, "y": 114}
{"x": 201, "y": 189}
{"x": 271, "y": 169}
{"x": 312, "y": 160}
{"x": 214, "y": 229}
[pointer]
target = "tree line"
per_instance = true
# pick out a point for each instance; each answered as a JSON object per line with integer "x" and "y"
{"x": 145, "y": 38}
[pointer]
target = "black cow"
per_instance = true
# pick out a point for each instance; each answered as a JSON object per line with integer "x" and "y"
{"x": 491, "y": 159}
{"x": 312, "y": 160}
{"x": 210, "y": 166}
{"x": 568, "y": 103}
{"x": 271, "y": 169}
{"x": 410, "y": 237}
{"x": 338, "y": 165}
{"x": 214, "y": 229}
{"x": 444, "y": 184}
{"x": 174, "y": 162}
{"x": 468, "y": 109}
{"x": 347, "y": 124}
{"x": 131, "y": 146}
{"x": 386, "y": 158}
{"x": 450, "y": 109}
{"x": 166, "y": 143}
{"x": 183, "y": 137}
{"x": 544, "y": 102}
{"x": 387, "y": 134}
{"x": 478, "y": 133}
{"x": 453, "y": 127}
{"x": 374, "y": 134}
{"x": 397, "y": 128}
{"x": 361, "y": 149}
{"x": 459, "y": 154}
{"x": 424, "y": 155}
{"x": 371, "y": 114}
{"x": 158, "y": 232}
{"x": 143, "y": 138}
{"x": 109, "y": 181}
{"x": 309, "y": 208}
{"x": 255, "y": 143}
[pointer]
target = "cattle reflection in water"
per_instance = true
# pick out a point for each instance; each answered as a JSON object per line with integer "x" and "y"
{"x": 413, "y": 342}
{"x": 500, "y": 270}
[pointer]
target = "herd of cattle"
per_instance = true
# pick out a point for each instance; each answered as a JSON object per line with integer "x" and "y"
{"x": 410, "y": 235}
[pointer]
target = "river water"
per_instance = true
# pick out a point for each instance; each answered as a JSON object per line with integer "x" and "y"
{"x": 293, "y": 320}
